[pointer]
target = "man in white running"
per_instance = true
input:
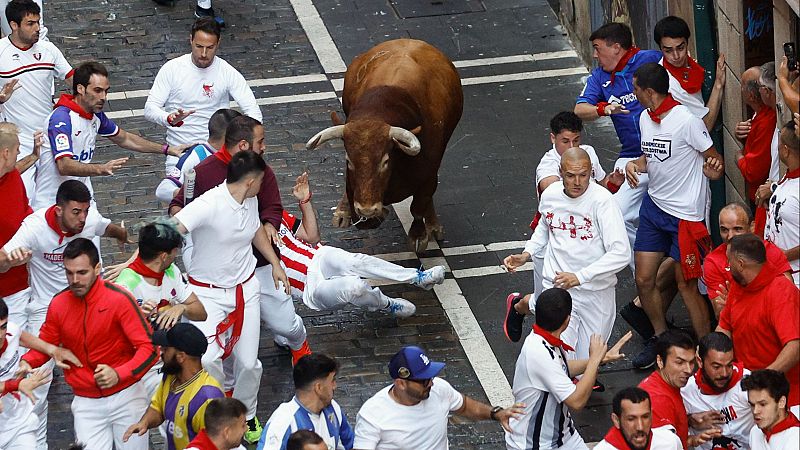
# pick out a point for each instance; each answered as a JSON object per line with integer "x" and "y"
{"x": 633, "y": 427}
{"x": 585, "y": 243}
{"x": 190, "y": 88}
{"x": 777, "y": 428}
{"x": 41, "y": 239}
{"x": 28, "y": 65}
{"x": 224, "y": 222}
{"x": 328, "y": 278}
{"x": 714, "y": 396}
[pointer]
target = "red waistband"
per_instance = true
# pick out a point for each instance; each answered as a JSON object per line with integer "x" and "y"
{"x": 209, "y": 285}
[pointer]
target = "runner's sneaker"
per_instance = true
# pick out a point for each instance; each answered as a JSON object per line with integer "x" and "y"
{"x": 254, "y": 430}
{"x": 400, "y": 307}
{"x": 427, "y": 278}
{"x": 208, "y": 12}
{"x": 647, "y": 357}
{"x": 299, "y": 353}
{"x": 637, "y": 319}
{"x": 512, "y": 326}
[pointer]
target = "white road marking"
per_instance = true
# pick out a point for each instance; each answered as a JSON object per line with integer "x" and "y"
{"x": 526, "y": 57}
{"x": 318, "y": 36}
{"x": 523, "y": 76}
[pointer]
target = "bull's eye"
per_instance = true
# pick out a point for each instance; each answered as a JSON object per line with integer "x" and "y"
{"x": 384, "y": 163}
{"x": 350, "y": 165}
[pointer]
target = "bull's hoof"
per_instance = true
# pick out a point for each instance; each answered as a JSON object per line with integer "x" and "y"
{"x": 341, "y": 219}
{"x": 418, "y": 245}
{"x": 437, "y": 231}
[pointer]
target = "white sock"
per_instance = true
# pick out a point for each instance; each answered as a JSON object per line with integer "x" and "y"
{"x": 205, "y": 4}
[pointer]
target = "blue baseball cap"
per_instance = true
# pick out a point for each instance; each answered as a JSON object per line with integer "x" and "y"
{"x": 411, "y": 363}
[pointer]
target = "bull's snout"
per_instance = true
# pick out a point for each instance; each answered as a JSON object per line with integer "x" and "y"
{"x": 369, "y": 211}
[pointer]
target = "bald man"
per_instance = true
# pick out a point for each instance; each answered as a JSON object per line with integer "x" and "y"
{"x": 583, "y": 237}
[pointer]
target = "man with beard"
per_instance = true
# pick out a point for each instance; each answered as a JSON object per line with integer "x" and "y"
{"x": 413, "y": 411}
{"x": 714, "y": 397}
{"x": 761, "y": 313}
{"x": 103, "y": 326}
{"x": 734, "y": 219}
{"x": 312, "y": 408}
{"x": 675, "y": 357}
{"x": 41, "y": 239}
{"x": 776, "y": 427}
{"x": 632, "y": 425}
{"x": 185, "y": 391}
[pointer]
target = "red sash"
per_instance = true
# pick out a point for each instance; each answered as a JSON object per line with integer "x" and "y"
{"x": 234, "y": 320}
{"x": 694, "y": 243}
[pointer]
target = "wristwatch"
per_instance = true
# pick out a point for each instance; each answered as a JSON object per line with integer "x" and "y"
{"x": 495, "y": 410}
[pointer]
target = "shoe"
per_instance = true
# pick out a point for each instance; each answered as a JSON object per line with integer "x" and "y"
{"x": 638, "y": 320}
{"x": 426, "y": 279}
{"x": 512, "y": 326}
{"x": 299, "y": 353}
{"x": 165, "y": 2}
{"x": 282, "y": 347}
{"x": 399, "y": 307}
{"x": 254, "y": 430}
{"x": 208, "y": 12}
{"x": 647, "y": 357}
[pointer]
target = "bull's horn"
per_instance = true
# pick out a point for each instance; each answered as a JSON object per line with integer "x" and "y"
{"x": 405, "y": 140}
{"x": 334, "y": 132}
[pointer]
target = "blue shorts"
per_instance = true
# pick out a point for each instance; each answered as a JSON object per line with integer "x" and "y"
{"x": 658, "y": 231}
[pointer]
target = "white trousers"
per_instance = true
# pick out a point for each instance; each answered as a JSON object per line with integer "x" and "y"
{"x": 538, "y": 277}
{"x": 21, "y": 438}
{"x": 35, "y": 313}
{"x": 593, "y": 312}
{"x": 336, "y": 278}
{"x": 18, "y": 307}
{"x": 630, "y": 200}
{"x": 101, "y": 422}
{"x": 277, "y": 310}
{"x": 220, "y": 302}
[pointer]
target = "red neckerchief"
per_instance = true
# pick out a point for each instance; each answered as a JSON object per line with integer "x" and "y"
{"x": 52, "y": 221}
{"x": 552, "y": 340}
{"x": 789, "y": 422}
{"x": 68, "y": 101}
{"x": 690, "y": 77}
{"x": 624, "y": 61}
{"x": 223, "y": 155}
{"x": 139, "y": 267}
{"x": 707, "y": 389}
{"x": 5, "y": 344}
{"x": 790, "y": 174}
{"x": 202, "y": 441}
{"x": 617, "y": 440}
{"x": 665, "y": 106}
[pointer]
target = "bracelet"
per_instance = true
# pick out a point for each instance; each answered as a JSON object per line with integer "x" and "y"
{"x": 495, "y": 410}
{"x": 601, "y": 108}
{"x": 308, "y": 199}
{"x": 613, "y": 187}
{"x": 10, "y": 386}
{"x": 165, "y": 149}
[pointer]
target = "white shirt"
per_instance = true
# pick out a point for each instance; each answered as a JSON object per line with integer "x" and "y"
{"x": 783, "y": 220}
{"x": 46, "y": 267}
{"x": 17, "y": 415}
{"x": 69, "y": 135}
{"x": 181, "y": 84}
{"x": 542, "y": 382}
{"x": 733, "y": 406}
{"x": 585, "y": 236}
{"x": 694, "y": 102}
{"x": 788, "y": 439}
{"x": 775, "y": 166}
{"x": 226, "y": 229}
{"x": 292, "y": 416}
{"x": 173, "y": 288}
{"x": 384, "y": 424}
{"x": 675, "y": 162}
{"x": 34, "y": 69}
{"x": 663, "y": 439}
{"x": 550, "y": 164}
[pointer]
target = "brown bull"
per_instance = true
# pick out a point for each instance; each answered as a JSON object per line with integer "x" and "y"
{"x": 403, "y": 100}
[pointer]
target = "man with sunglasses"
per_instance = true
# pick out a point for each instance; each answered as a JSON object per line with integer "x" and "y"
{"x": 412, "y": 411}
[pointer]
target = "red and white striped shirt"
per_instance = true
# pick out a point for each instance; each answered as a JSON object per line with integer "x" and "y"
{"x": 296, "y": 253}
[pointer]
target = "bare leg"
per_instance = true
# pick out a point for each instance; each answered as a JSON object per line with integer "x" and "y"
{"x": 695, "y": 303}
{"x": 647, "y": 264}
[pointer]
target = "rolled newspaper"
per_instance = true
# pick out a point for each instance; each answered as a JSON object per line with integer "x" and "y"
{"x": 188, "y": 187}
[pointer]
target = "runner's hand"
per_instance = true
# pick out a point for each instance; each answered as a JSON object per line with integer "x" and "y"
{"x": 38, "y": 138}
{"x": 64, "y": 357}
{"x": 615, "y": 108}
{"x": 272, "y": 234}
{"x": 632, "y": 174}
{"x": 140, "y": 428}
{"x": 513, "y": 262}
{"x": 614, "y": 354}
{"x": 105, "y": 376}
{"x": 301, "y": 190}
{"x": 109, "y": 167}
{"x": 36, "y": 379}
{"x": 279, "y": 276}
{"x": 742, "y": 130}
{"x": 506, "y": 414}
{"x": 170, "y": 317}
{"x": 713, "y": 168}
{"x": 177, "y": 116}
{"x": 565, "y": 280}
{"x": 8, "y": 90}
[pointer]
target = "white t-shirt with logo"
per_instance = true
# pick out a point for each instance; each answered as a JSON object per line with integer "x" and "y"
{"x": 783, "y": 220}
{"x": 542, "y": 382}
{"x": 46, "y": 267}
{"x": 675, "y": 162}
{"x": 384, "y": 424}
{"x": 17, "y": 415}
{"x": 735, "y": 410}
{"x": 226, "y": 229}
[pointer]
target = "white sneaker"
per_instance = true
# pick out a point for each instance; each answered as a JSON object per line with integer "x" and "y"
{"x": 399, "y": 307}
{"x": 426, "y": 279}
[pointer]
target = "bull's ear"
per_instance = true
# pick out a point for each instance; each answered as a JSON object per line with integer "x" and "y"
{"x": 335, "y": 118}
{"x": 416, "y": 131}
